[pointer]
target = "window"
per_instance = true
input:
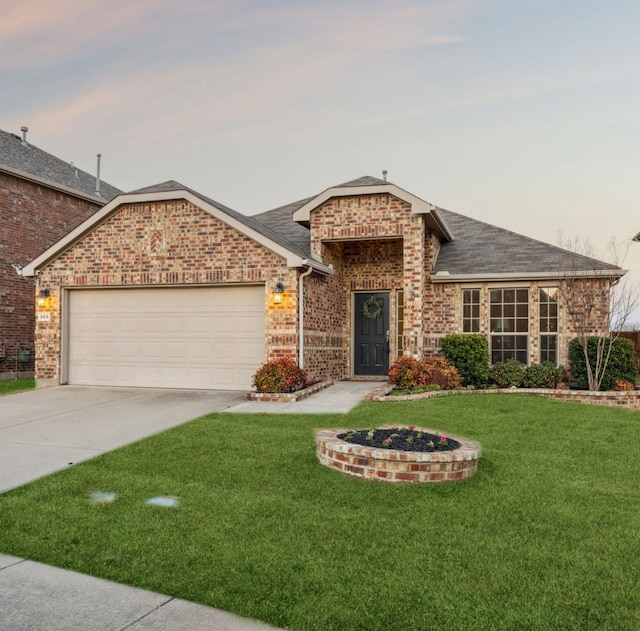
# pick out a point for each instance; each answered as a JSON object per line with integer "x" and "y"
{"x": 509, "y": 324}
{"x": 548, "y": 304}
{"x": 400, "y": 322}
{"x": 471, "y": 310}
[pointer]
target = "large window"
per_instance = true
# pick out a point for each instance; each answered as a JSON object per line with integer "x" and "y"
{"x": 471, "y": 310}
{"x": 509, "y": 324}
{"x": 548, "y": 301}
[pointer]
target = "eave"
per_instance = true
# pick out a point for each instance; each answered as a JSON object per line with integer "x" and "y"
{"x": 445, "y": 277}
{"x": 52, "y": 185}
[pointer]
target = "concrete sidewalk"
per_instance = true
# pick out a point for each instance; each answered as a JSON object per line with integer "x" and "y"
{"x": 43, "y": 431}
{"x": 338, "y": 398}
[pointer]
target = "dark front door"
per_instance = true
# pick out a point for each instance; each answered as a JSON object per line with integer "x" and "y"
{"x": 371, "y": 335}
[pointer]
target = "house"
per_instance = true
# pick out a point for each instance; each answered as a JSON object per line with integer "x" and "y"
{"x": 41, "y": 199}
{"x": 164, "y": 287}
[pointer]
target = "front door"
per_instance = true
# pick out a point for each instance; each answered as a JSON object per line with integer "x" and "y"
{"x": 371, "y": 334}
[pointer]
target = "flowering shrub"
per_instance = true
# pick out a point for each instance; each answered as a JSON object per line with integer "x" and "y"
{"x": 409, "y": 373}
{"x": 622, "y": 385}
{"x": 280, "y": 375}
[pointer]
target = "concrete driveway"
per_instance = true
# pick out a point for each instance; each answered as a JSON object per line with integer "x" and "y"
{"x": 43, "y": 431}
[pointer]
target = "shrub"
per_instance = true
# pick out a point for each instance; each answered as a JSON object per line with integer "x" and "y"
{"x": 279, "y": 375}
{"x": 545, "y": 375}
{"x": 440, "y": 372}
{"x": 508, "y": 374}
{"x": 405, "y": 373}
{"x": 623, "y": 386}
{"x": 408, "y": 373}
{"x": 469, "y": 353}
{"x": 621, "y": 364}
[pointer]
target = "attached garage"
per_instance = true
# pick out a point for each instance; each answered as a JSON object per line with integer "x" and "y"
{"x": 169, "y": 337}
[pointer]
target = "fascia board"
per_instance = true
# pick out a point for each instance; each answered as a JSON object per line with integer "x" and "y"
{"x": 31, "y": 269}
{"x": 52, "y": 185}
{"x": 515, "y": 276}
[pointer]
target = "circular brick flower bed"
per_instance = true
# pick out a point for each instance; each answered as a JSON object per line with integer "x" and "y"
{"x": 394, "y": 465}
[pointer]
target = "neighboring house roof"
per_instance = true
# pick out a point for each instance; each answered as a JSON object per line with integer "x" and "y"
{"x": 28, "y": 161}
{"x": 172, "y": 190}
{"x": 482, "y": 250}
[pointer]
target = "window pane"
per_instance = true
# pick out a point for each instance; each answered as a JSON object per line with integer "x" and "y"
{"x": 509, "y": 295}
{"x": 522, "y": 295}
{"x": 496, "y": 295}
{"x": 522, "y": 311}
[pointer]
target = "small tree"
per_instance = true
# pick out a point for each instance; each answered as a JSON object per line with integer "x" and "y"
{"x": 597, "y": 300}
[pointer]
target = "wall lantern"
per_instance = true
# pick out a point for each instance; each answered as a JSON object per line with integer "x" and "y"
{"x": 44, "y": 298}
{"x": 278, "y": 290}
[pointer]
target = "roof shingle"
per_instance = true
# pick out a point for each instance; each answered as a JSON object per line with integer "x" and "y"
{"x": 32, "y": 161}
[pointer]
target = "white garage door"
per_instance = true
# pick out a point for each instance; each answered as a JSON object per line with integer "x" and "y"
{"x": 204, "y": 337}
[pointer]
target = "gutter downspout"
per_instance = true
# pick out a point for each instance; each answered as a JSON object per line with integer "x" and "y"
{"x": 301, "y": 316}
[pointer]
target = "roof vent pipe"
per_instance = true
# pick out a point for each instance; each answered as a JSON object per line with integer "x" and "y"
{"x": 98, "y": 177}
{"x": 384, "y": 175}
{"x": 24, "y": 131}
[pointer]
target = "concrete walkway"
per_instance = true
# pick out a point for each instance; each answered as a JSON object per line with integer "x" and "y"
{"x": 43, "y": 431}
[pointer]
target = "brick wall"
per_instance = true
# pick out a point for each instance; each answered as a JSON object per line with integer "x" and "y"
{"x": 32, "y": 218}
{"x": 167, "y": 243}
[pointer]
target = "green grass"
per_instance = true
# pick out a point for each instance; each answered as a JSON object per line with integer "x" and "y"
{"x": 9, "y": 386}
{"x": 546, "y": 535}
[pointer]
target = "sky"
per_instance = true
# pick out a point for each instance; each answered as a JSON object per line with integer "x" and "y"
{"x": 522, "y": 114}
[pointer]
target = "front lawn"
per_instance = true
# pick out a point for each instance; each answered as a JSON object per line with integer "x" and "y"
{"x": 545, "y": 536}
{"x": 9, "y": 386}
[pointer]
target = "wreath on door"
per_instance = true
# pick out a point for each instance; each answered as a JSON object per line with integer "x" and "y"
{"x": 371, "y": 308}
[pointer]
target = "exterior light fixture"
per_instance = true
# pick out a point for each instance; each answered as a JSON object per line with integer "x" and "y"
{"x": 43, "y": 298}
{"x": 278, "y": 290}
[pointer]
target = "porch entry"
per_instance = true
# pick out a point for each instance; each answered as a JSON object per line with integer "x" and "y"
{"x": 371, "y": 334}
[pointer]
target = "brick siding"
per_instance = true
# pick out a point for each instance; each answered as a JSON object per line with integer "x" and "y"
{"x": 32, "y": 218}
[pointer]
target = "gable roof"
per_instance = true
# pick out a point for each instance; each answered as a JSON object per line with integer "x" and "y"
{"x": 367, "y": 185}
{"x": 172, "y": 190}
{"x": 29, "y": 162}
{"x": 476, "y": 250}
{"x": 481, "y": 250}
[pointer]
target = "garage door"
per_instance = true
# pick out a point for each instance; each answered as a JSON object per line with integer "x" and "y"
{"x": 205, "y": 337}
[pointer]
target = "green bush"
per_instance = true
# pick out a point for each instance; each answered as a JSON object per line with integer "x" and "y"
{"x": 508, "y": 374}
{"x": 621, "y": 364}
{"x": 279, "y": 375}
{"x": 545, "y": 375}
{"x": 469, "y": 353}
{"x": 407, "y": 373}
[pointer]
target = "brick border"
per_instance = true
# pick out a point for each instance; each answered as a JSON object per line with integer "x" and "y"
{"x": 630, "y": 400}
{"x": 288, "y": 397}
{"x": 393, "y": 465}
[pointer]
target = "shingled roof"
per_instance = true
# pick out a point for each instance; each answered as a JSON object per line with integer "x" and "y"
{"x": 478, "y": 249}
{"x": 483, "y": 249}
{"x": 20, "y": 158}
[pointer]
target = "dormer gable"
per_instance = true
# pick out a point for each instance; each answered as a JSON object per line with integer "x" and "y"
{"x": 367, "y": 186}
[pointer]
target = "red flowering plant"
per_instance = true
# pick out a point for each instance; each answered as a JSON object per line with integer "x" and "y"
{"x": 622, "y": 385}
{"x": 280, "y": 375}
{"x": 408, "y": 373}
